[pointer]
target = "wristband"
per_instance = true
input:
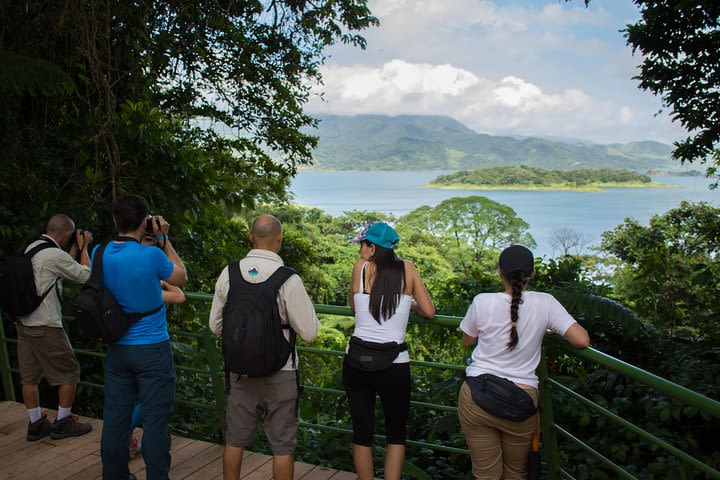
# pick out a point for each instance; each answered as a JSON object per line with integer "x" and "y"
{"x": 160, "y": 238}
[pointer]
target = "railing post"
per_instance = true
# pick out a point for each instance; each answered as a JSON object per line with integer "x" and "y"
{"x": 8, "y": 386}
{"x": 218, "y": 379}
{"x": 547, "y": 421}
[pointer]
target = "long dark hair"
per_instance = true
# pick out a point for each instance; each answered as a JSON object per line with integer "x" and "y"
{"x": 518, "y": 280}
{"x": 388, "y": 284}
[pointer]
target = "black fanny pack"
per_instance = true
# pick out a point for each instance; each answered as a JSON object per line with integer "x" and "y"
{"x": 371, "y": 356}
{"x": 501, "y": 397}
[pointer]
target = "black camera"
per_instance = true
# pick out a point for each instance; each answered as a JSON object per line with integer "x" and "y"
{"x": 149, "y": 225}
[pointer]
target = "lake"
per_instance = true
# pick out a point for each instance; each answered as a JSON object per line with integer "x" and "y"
{"x": 589, "y": 213}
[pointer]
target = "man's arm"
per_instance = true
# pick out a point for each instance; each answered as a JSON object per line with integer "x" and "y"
{"x": 299, "y": 308}
{"x": 179, "y": 273}
{"x": 222, "y": 286}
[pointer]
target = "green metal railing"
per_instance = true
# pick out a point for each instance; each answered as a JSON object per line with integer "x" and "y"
{"x": 549, "y": 427}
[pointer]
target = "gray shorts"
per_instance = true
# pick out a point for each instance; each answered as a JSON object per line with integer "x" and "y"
{"x": 46, "y": 351}
{"x": 276, "y": 397}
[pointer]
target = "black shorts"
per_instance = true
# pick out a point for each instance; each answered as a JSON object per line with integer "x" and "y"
{"x": 393, "y": 386}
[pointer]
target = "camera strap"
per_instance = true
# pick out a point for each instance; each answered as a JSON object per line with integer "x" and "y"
{"x": 123, "y": 238}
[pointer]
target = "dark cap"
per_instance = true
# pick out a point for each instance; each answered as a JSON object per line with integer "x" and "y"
{"x": 516, "y": 258}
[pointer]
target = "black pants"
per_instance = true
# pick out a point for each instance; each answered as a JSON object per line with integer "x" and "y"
{"x": 393, "y": 386}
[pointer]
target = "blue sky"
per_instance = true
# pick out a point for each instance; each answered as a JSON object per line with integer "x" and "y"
{"x": 540, "y": 68}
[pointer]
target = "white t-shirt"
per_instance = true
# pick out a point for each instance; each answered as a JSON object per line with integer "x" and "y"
{"x": 488, "y": 319}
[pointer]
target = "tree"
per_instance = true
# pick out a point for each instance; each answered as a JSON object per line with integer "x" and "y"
{"x": 566, "y": 240}
{"x": 103, "y": 98}
{"x": 680, "y": 44}
{"x": 670, "y": 268}
{"x": 467, "y": 226}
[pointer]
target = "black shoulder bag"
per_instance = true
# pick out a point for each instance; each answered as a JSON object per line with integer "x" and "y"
{"x": 96, "y": 309}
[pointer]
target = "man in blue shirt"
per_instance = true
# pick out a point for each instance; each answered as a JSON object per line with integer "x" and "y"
{"x": 139, "y": 366}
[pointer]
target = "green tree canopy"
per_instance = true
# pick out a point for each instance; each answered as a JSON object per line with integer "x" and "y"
{"x": 679, "y": 41}
{"x": 104, "y": 98}
{"x": 670, "y": 268}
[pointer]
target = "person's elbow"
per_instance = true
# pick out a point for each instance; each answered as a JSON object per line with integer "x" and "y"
{"x": 179, "y": 277}
{"x": 428, "y": 313}
{"x": 578, "y": 336}
{"x": 469, "y": 341}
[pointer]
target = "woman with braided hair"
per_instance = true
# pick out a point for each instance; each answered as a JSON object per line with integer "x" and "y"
{"x": 508, "y": 328}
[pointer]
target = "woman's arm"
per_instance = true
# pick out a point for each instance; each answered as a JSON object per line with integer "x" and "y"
{"x": 171, "y": 294}
{"x": 423, "y": 305}
{"x": 355, "y": 281}
{"x": 468, "y": 340}
{"x": 577, "y": 336}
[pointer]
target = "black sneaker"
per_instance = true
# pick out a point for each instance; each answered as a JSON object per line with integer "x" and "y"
{"x": 69, "y": 427}
{"x": 39, "y": 429}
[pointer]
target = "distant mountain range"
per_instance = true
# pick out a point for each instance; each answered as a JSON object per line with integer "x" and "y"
{"x": 420, "y": 142}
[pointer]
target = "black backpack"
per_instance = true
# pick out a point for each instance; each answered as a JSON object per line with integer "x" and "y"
{"x": 96, "y": 309}
{"x": 18, "y": 293}
{"x": 252, "y": 336}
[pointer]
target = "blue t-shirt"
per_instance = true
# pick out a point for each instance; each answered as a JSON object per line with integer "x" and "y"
{"x": 132, "y": 272}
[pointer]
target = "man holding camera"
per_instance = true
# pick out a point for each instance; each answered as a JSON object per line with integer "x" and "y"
{"x": 43, "y": 346}
{"x": 139, "y": 366}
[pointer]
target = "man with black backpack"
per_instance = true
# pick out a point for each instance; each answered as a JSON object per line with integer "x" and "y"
{"x": 259, "y": 307}
{"x": 43, "y": 346}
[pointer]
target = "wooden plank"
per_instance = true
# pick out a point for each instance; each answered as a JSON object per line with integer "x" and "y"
{"x": 211, "y": 471}
{"x": 64, "y": 451}
{"x": 344, "y": 476}
{"x": 78, "y": 458}
{"x": 211, "y": 454}
{"x": 319, "y": 473}
{"x": 76, "y": 469}
{"x": 253, "y": 462}
{"x": 301, "y": 469}
{"x": 264, "y": 472}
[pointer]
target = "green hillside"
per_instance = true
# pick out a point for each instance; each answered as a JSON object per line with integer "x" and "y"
{"x": 405, "y": 142}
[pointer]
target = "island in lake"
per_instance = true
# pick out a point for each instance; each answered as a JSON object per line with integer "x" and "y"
{"x": 529, "y": 178}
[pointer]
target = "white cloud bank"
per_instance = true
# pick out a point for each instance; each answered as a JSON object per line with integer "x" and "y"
{"x": 400, "y": 87}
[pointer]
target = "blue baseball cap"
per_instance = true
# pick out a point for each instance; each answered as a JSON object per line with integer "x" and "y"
{"x": 379, "y": 233}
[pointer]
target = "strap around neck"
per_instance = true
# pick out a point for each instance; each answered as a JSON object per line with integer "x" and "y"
{"x": 123, "y": 238}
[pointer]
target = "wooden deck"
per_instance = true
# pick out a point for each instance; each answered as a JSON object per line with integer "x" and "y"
{"x": 78, "y": 458}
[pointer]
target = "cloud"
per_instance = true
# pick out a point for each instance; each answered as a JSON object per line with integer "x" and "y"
{"x": 509, "y": 105}
{"x": 416, "y": 87}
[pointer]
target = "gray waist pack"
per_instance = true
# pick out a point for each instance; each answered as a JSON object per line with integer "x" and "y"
{"x": 501, "y": 397}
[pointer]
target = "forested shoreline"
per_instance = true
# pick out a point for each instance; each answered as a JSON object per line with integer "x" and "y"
{"x": 530, "y": 178}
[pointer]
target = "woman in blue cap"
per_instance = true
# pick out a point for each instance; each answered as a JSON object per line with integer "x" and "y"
{"x": 383, "y": 291}
{"x": 508, "y": 328}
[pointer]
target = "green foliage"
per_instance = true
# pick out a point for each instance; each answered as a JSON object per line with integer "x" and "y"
{"x": 669, "y": 269}
{"x": 537, "y": 177}
{"x": 680, "y": 46}
{"x": 105, "y": 98}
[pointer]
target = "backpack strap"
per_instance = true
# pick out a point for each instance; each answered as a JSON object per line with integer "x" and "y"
{"x": 31, "y": 253}
{"x": 96, "y": 273}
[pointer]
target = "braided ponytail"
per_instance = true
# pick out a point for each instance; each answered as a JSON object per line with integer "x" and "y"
{"x": 518, "y": 280}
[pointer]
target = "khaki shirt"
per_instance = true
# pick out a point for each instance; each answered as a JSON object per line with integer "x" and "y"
{"x": 49, "y": 266}
{"x": 293, "y": 301}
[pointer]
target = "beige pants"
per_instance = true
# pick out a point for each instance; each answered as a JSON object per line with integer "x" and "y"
{"x": 498, "y": 448}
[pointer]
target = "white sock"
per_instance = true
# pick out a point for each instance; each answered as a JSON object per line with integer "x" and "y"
{"x": 34, "y": 414}
{"x": 63, "y": 412}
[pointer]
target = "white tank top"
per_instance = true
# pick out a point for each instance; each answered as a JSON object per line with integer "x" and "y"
{"x": 388, "y": 330}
